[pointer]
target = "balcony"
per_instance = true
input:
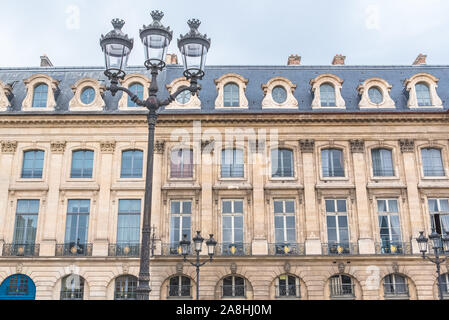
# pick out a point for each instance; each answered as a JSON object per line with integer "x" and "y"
{"x": 171, "y": 249}
{"x": 288, "y": 292}
{"x": 21, "y": 250}
{"x": 73, "y": 249}
{"x": 340, "y": 249}
{"x": 286, "y": 249}
{"x": 342, "y": 291}
{"x": 233, "y": 249}
{"x": 124, "y": 250}
{"x": 394, "y": 248}
{"x": 397, "y": 291}
{"x": 183, "y": 292}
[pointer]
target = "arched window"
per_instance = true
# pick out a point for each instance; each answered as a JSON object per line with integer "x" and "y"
{"x": 327, "y": 95}
{"x": 33, "y": 164}
{"x": 181, "y": 163}
{"x": 233, "y": 286}
{"x": 184, "y": 97}
{"x": 18, "y": 287}
{"x": 40, "y": 96}
{"x": 125, "y": 288}
{"x": 332, "y": 163}
{"x": 232, "y": 163}
{"x": 341, "y": 286}
{"x": 382, "y": 163}
{"x": 395, "y": 285}
{"x": 82, "y": 164}
{"x": 287, "y": 286}
{"x": 231, "y": 95}
{"x": 282, "y": 163}
{"x": 423, "y": 94}
{"x": 137, "y": 89}
{"x": 375, "y": 95}
{"x": 179, "y": 286}
{"x": 72, "y": 287}
{"x": 432, "y": 162}
{"x": 132, "y": 164}
{"x": 88, "y": 95}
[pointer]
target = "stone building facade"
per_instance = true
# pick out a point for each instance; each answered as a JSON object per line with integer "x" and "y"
{"x": 311, "y": 193}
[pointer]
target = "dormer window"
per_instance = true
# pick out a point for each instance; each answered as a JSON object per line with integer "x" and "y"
{"x": 375, "y": 95}
{"x": 231, "y": 95}
{"x": 326, "y": 89}
{"x": 279, "y": 94}
{"x": 185, "y": 100}
{"x": 87, "y": 95}
{"x": 422, "y": 91}
{"x": 423, "y": 94}
{"x": 184, "y": 97}
{"x": 5, "y": 93}
{"x": 40, "y": 95}
{"x": 327, "y": 94}
{"x": 231, "y": 91}
{"x": 137, "y": 89}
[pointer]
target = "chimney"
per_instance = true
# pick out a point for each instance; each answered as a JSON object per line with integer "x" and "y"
{"x": 294, "y": 59}
{"x": 171, "y": 58}
{"x": 45, "y": 61}
{"x": 420, "y": 60}
{"x": 339, "y": 59}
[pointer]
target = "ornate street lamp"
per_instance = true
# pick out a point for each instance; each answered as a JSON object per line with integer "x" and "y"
{"x": 440, "y": 245}
{"x": 198, "y": 243}
{"x": 156, "y": 38}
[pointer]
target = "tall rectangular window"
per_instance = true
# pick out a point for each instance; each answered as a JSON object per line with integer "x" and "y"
{"x": 82, "y": 164}
{"x": 282, "y": 163}
{"x": 439, "y": 214}
{"x": 77, "y": 224}
{"x": 389, "y": 226}
{"x": 181, "y": 163}
{"x": 26, "y": 223}
{"x": 382, "y": 163}
{"x": 128, "y": 226}
{"x": 432, "y": 162}
{"x": 132, "y": 163}
{"x": 332, "y": 163}
{"x": 284, "y": 221}
{"x": 337, "y": 226}
{"x": 232, "y": 163}
{"x": 232, "y": 217}
{"x": 180, "y": 223}
{"x": 33, "y": 164}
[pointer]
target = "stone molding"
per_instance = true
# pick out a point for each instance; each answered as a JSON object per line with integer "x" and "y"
{"x": 107, "y": 146}
{"x": 9, "y": 146}
{"x": 159, "y": 146}
{"x": 357, "y": 146}
{"x": 307, "y": 146}
{"x": 58, "y": 146}
{"x": 407, "y": 145}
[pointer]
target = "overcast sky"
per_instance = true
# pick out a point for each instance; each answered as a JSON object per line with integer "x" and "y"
{"x": 243, "y": 32}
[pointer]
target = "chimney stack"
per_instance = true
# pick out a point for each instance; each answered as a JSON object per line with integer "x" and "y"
{"x": 171, "y": 58}
{"x": 420, "y": 60}
{"x": 339, "y": 60}
{"x": 294, "y": 59}
{"x": 45, "y": 61}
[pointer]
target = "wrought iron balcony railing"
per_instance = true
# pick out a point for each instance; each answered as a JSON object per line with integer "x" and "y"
{"x": 340, "y": 249}
{"x": 333, "y": 172}
{"x": 394, "y": 248}
{"x": 73, "y": 249}
{"x": 399, "y": 290}
{"x": 342, "y": 291}
{"x": 76, "y": 294}
{"x": 124, "y": 250}
{"x": 233, "y": 291}
{"x": 286, "y": 249}
{"x": 233, "y": 249}
{"x": 181, "y": 174}
{"x": 378, "y": 173}
{"x": 171, "y": 249}
{"x": 288, "y": 292}
{"x": 434, "y": 172}
{"x": 179, "y": 292}
{"x": 21, "y": 250}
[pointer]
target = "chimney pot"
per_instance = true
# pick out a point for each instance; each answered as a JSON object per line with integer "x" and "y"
{"x": 420, "y": 60}
{"x": 171, "y": 58}
{"x": 294, "y": 59}
{"x": 45, "y": 61}
{"x": 339, "y": 59}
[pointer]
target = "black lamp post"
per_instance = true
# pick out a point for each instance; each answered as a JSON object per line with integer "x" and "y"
{"x": 198, "y": 243}
{"x": 156, "y": 38}
{"x": 440, "y": 245}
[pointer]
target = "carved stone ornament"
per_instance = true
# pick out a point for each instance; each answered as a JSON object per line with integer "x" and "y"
{"x": 19, "y": 268}
{"x": 395, "y": 267}
{"x": 307, "y": 146}
{"x": 357, "y": 146}
{"x": 256, "y": 146}
{"x": 341, "y": 267}
{"x": 179, "y": 268}
{"x": 58, "y": 146}
{"x": 407, "y": 145}
{"x": 287, "y": 267}
{"x": 233, "y": 268}
{"x": 159, "y": 146}
{"x": 9, "y": 146}
{"x": 207, "y": 145}
{"x": 125, "y": 268}
{"x": 107, "y": 146}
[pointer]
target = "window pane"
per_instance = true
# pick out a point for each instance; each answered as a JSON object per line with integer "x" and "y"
{"x": 341, "y": 205}
{"x": 330, "y": 206}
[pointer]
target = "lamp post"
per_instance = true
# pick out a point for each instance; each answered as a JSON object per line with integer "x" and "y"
{"x": 198, "y": 243}
{"x": 440, "y": 244}
{"x": 156, "y": 38}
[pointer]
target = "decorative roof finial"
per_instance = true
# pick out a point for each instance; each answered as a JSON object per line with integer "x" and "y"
{"x": 157, "y": 15}
{"x": 118, "y": 23}
{"x": 194, "y": 24}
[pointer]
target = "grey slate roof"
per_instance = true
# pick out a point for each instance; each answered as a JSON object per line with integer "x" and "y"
{"x": 257, "y": 75}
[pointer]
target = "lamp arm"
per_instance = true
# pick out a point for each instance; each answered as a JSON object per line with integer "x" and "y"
{"x": 431, "y": 259}
{"x": 134, "y": 98}
{"x": 193, "y": 88}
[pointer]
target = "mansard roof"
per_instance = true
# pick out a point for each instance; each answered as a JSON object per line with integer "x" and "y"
{"x": 352, "y": 76}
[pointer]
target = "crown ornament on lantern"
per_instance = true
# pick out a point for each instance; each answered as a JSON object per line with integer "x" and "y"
{"x": 194, "y": 24}
{"x": 157, "y": 16}
{"x": 117, "y": 33}
{"x": 118, "y": 23}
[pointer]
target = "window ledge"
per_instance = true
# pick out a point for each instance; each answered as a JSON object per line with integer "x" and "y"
{"x": 334, "y": 185}
{"x": 28, "y": 180}
{"x": 41, "y": 186}
{"x": 276, "y": 185}
{"x": 434, "y": 184}
{"x": 81, "y": 185}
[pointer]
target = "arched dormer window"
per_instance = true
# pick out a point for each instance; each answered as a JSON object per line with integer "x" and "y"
{"x": 139, "y": 85}
{"x": 5, "y": 94}
{"x": 326, "y": 89}
{"x": 40, "y": 96}
{"x": 279, "y": 94}
{"x": 231, "y": 91}
{"x": 185, "y": 100}
{"x": 87, "y": 95}
{"x": 422, "y": 91}
{"x": 375, "y": 93}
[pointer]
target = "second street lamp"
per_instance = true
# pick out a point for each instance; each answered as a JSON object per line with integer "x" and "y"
{"x": 156, "y": 38}
{"x": 198, "y": 243}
